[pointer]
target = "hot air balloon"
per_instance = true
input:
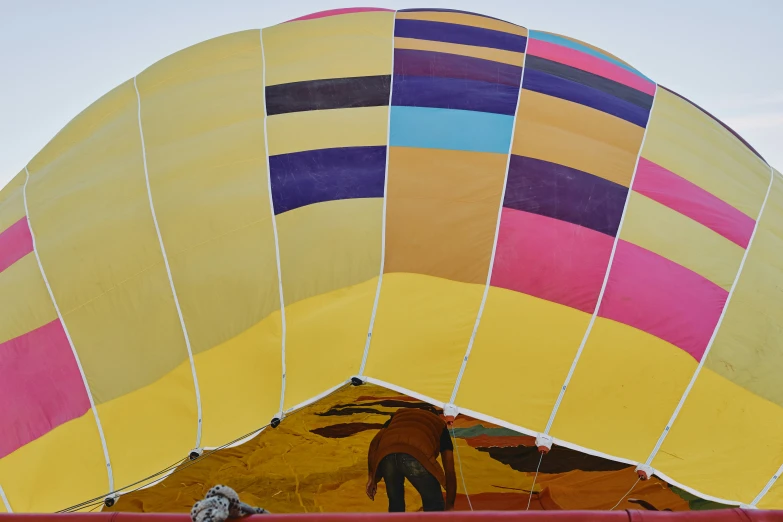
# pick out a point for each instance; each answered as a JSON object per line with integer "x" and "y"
{"x": 512, "y": 226}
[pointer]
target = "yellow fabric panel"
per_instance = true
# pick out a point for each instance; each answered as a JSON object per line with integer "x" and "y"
{"x": 521, "y": 339}
{"x": 240, "y": 382}
{"x": 227, "y": 284}
{"x": 325, "y": 340}
{"x": 566, "y": 133}
{"x": 683, "y": 139}
{"x": 312, "y": 130}
{"x": 774, "y": 497}
{"x": 151, "y": 428}
{"x": 84, "y": 126}
{"x": 442, "y": 211}
{"x": 12, "y": 203}
{"x": 748, "y": 349}
{"x": 56, "y": 471}
{"x": 421, "y": 333}
{"x": 674, "y": 236}
{"x": 623, "y": 392}
{"x": 96, "y": 238}
{"x": 463, "y": 19}
{"x": 128, "y": 337}
{"x": 24, "y": 300}
{"x": 92, "y": 195}
{"x": 329, "y": 245}
{"x": 202, "y": 115}
{"x": 350, "y": 45}
{"x": 485, "y": 53}
{"x": 725, "y": 442}
{"x": 325, "y": 248}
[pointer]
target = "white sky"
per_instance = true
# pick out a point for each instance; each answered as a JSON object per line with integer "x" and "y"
{"x": 59, "y": 56}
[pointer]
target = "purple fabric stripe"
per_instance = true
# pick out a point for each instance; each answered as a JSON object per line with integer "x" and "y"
{"x": 459, "y": 34}
{"x": 576, "y": 92}
{"x": 313, "y": 176}
{"x": 448, "y": 93}
{"x": 434, "y": 10}
{"x": 410, "y": 62}
{"x": 563, "y": 193}
{"x": 732, "y": 131}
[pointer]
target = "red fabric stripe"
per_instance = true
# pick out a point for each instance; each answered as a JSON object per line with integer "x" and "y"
{"x": 551, "y": 259}
{"x": 677, "y": 193}
{"x": 15, "y": 243}
{"x": 723, "y": 515}
{"x": 40, "y": 386}
{"x": 662, "y": 298}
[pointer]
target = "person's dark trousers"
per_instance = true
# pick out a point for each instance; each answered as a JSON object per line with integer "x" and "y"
{"x": 395, "y": 468}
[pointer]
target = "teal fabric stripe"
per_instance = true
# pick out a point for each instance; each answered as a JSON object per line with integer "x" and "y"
{"x": 565, "y": 42}
{"x": 450, "y": 129}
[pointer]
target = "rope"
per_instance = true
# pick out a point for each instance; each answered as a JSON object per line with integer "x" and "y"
{"x": 627, "y": 493}
{"x": 533, "y": 487}
{"x": 459, "y": 461}
{"x": 175, "y": 467}
{"x": 97, "y": 501}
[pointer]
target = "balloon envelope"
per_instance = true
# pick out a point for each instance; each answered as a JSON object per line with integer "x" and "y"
{"x": 457, "y": 208}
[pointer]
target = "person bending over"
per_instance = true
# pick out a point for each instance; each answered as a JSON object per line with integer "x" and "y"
{"x": 407, "y": 447}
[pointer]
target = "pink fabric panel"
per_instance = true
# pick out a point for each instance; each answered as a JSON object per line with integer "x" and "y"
{"x": 15, "y": 243}
{"x": 551, "y": 259}
{"x": 591, "y": 64}
{"x": 660, "y": 297}
{"x": 40, "y": 386}
{"x": 677, "y": 193}
{"x": 334, "y": 12}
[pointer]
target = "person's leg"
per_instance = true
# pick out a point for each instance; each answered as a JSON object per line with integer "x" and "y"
{"x": 424, "y": 482}
{"x": 395, "y": 482}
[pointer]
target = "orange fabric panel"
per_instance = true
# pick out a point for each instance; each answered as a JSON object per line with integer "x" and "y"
{"x": 441, "y": 212}
{"x": 576, "y": 136}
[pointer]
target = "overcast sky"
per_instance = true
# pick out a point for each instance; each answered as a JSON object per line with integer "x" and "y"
{"x": 59, "y": 56}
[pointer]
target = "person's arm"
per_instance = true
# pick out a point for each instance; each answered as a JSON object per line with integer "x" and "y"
{"x": 451, "y": 478}
{"x": 372, "y": 478}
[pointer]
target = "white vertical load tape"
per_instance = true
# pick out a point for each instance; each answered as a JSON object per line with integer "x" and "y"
{"x": 767, "y": 487}
{"x": 606, "y": 276}
{"x": 105, "y": 448}
{"x": 168, "y": 270}
{"x": 5, "y": 501}
{"x": 383, "y": 221}
{"x": 696, "y": 373}
{"x": 279, "y": 414}
{"x": 494, "y": 242}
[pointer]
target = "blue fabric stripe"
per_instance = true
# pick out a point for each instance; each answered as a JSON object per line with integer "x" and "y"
{"x": 576, "y": 92}
{"x": 313, "y": 176}
{"x": 450, "y": 129}
{"x": 565, "y": 42}
{"x": 451, "y": 93}
{"x": 459, "y": 34}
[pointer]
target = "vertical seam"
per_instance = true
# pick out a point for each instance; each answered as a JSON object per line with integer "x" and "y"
{"x": 606, "y": 276}
{"x": 383, "y": 218}
{"x": 767, "y": 487}
{"x": 279, "y": 414}
{"x": 495, "y": 239}
{"x": 5, "y": 501}
{"x": 703, "y": 359}
{"x": 94, "y": 409}
{"x": 168, "y": 270}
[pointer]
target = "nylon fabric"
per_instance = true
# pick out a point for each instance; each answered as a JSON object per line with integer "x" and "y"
{"x": 736, "y": 396}
{"x": 362, "y": 166}
{"x": 686, "y": 141}
{"x": 356, "y": 44}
